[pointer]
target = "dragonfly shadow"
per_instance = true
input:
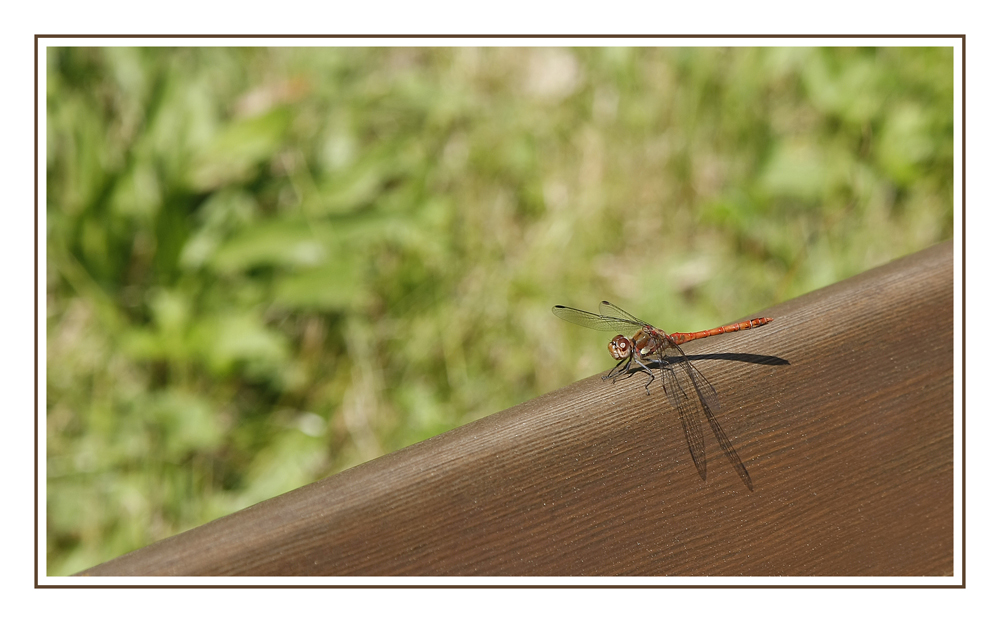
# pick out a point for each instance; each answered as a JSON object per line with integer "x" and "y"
{"x": 762, "y": 360}
{"x": 667, "y": 362}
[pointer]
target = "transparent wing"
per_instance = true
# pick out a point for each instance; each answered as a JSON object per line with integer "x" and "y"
{"x": 672, "y": 355}
{"x": 705, "y": 389}
{"x": 688, "y": 413}
{"x": 679, "y": 365}
{"x": 595, "y": 321}
{"x": 709, "y": 404}
{"x": 610, "y": 310}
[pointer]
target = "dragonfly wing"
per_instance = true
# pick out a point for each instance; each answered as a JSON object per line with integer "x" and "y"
{"x": 595, "y": 321}
{"x": 672, "y": 387}
{"x": 688, "y": 413}
{"x": 705, "y": 390}
{"x": 671, "y": 354}
{"x": 613, "y": 311}
{"x": 720, "y": 434}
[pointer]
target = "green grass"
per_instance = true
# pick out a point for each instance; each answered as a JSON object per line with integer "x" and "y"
{"x": 268, "y": 265}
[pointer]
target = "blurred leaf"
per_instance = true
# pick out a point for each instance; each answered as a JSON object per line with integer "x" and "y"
{"x": 222, "y": 213}
{"x": 905, "y": 143}
{"x": 240, "y": 338}
{"x": 796, "y": 171}
{"x": 845, "y": 84}
{"x": 290, "y": 242}
{"x": 171, "y": 311}
{"x": 242, "y": 145}
{"x": 187, "y": 423}
{"x": 335, "y": 286}
{"x": 354, "y": 188}
{"x": 291, "y": 458}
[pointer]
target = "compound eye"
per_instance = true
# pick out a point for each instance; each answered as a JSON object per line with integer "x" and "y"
{"x": 620, "y": 347}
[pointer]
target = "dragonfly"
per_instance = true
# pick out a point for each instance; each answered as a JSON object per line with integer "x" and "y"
{"x": 650, "y": 346}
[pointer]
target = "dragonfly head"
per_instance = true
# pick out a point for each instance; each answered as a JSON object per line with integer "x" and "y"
{"x": 620, "y": 347}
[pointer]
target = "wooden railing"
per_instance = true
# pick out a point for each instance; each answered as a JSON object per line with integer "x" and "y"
{"x": 842, "y": 410}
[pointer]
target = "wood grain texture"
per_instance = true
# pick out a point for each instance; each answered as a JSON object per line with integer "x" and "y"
{"x": 850, "y": 445}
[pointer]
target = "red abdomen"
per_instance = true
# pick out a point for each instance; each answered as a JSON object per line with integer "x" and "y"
{"x": 680, "y": 338}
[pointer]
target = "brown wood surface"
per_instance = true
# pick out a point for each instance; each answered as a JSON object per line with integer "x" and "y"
{"x": 841, "y": 409}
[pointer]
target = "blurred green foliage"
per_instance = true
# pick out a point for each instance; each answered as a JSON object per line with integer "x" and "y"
{"x": 269, "y": 265}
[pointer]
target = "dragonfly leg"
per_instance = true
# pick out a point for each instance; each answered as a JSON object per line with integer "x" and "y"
{"x": 652, "y": 377}
{"x": 614, "y": 373}
{"x": 627, "y": 363}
